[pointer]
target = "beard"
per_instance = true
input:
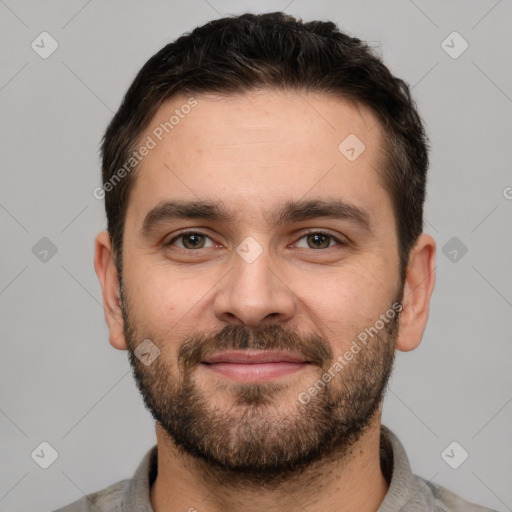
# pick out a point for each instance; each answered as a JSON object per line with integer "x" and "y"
{"x": 260, "y": 438}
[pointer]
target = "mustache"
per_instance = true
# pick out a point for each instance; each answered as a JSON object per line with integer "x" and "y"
{"x": 198, "y": 347}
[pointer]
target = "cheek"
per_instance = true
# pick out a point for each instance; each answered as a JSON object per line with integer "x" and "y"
{"x": 167, "y": 305}
{"x": 346, "y": 301}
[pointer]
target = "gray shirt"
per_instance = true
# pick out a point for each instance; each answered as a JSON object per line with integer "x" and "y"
{"x": 406, "y": 493}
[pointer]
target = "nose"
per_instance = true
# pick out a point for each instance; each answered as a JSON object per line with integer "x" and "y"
{"x": 253, "y": 293}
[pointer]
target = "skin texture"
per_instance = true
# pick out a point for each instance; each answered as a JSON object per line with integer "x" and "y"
{"x": 253, "y": 153}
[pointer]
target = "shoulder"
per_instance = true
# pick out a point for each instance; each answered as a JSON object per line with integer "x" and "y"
{"x": 411, "y": 493}
{"x": 445, "y": 500}
{"x": 126, "y": 495}
{"x": 106, "y": 500}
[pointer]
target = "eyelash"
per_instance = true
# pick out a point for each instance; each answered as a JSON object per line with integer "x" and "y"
{"x": 185, "y": 233}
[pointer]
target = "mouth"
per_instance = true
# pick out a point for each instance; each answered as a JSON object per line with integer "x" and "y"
{"x": 255, "y": 366}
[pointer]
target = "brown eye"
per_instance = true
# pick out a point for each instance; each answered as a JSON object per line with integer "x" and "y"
{"x": 193, "y": 241}
{"x": 318, "y": 240}
{"x": 190, "y": 240}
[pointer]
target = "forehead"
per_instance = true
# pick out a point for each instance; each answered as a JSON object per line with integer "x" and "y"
{"x": 260, "y": 148}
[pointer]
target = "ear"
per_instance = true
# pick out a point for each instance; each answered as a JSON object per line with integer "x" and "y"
{"x": 418, "y": 288}
{"x": 109, "y": 280}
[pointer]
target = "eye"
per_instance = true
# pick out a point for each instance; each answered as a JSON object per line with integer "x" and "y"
{"x": 319, "y": 240}
{"x": 191, "y": 240}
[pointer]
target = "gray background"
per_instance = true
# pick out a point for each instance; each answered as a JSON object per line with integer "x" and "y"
{"x": 60, "y": 380}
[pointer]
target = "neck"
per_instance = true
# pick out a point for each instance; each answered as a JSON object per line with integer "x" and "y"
{"x": 351, "y": 482}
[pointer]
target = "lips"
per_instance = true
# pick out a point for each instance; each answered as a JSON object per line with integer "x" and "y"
{"x": 255, "y": 366}
{"x": 254, "y": 357}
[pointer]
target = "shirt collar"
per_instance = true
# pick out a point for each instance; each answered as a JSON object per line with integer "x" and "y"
{"x": 406, "y": 493}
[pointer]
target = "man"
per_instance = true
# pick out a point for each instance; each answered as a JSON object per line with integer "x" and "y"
{"x": 264, "y": 182}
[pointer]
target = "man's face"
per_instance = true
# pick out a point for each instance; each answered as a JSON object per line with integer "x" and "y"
{"x": 266, "y": 264}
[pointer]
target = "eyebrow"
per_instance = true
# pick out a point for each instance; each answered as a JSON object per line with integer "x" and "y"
{"x": 291, "y": 211}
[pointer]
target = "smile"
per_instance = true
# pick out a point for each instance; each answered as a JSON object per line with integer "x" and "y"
{"x": 255, "y": 366}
